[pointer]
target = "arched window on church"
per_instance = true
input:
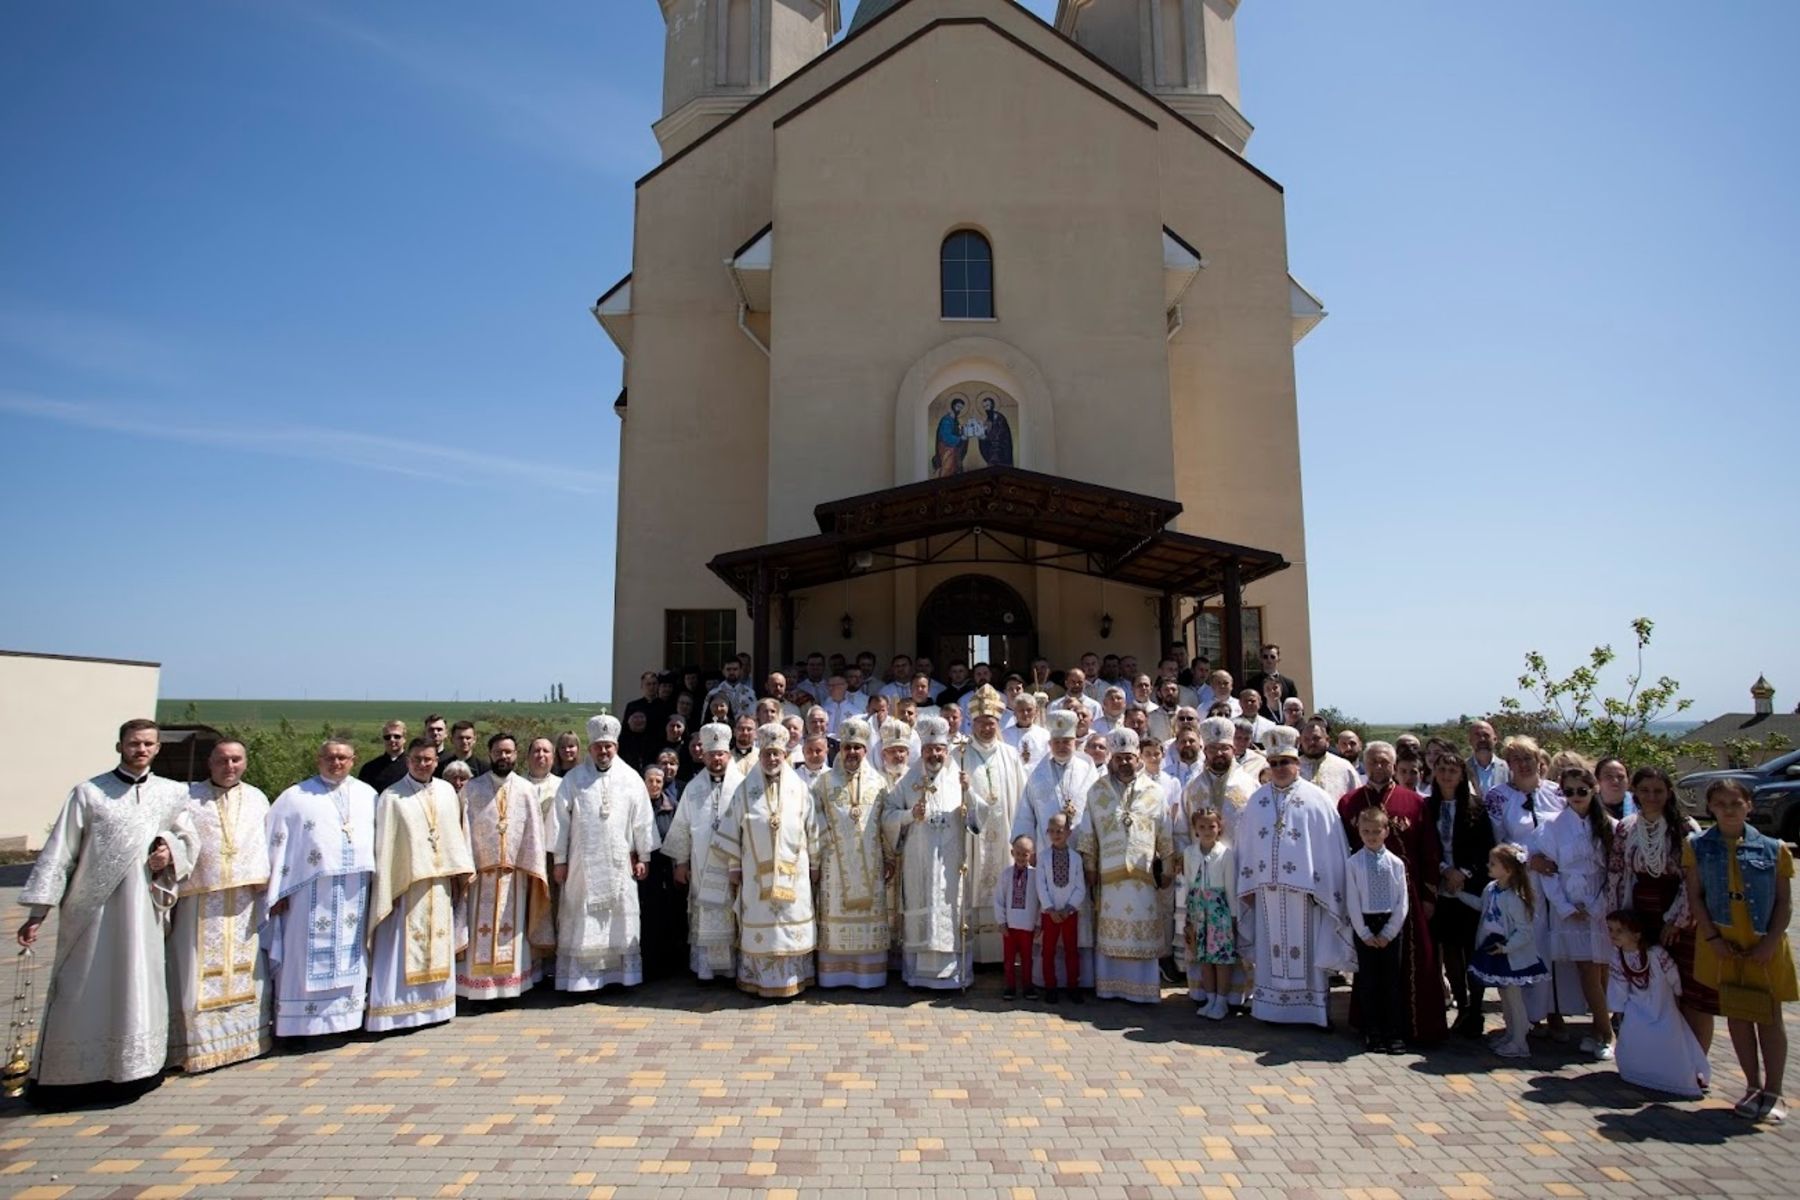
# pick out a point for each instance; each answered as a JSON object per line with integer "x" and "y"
{"x": 966, "y": 273}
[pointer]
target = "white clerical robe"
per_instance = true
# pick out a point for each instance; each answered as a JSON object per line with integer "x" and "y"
{"x": 507, "y": 913}
{"x": 222, "y": 1011}
{"x": 604, "y": 824}
{"x": 415, "y": 928}
{"x": 1127, "y": 833}
{"x": 770, "y": 832}
{"x": 106, "y": 1010}
{"x": 1331, "y": 774}
{"x": 321, "y": 859}
{"x": 1033, "y": 744}
{"x": 995, "y": 775}
{"x": 712, "y": 926}
{"x": 1227, "y": 794}
{"x": 1292, "y": 857}
{"x": 854, "y": 931}
{"x": 937, "y": 883}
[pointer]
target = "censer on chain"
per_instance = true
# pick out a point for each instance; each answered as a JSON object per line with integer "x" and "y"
{"x": 24, "y": 1024}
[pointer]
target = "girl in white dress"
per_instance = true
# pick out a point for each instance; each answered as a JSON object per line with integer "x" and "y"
{"x": 1579, "y": 842}
{"x": 1657, "y": 1049}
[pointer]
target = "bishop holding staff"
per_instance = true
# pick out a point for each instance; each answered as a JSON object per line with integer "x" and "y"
{"x": 1128, "y": 845}
{"x": 854, "y": 933}
{"x": 768, "y": 841}
{"x": 1292, "y": 859}
{"x": 605, "y": 834}
{"x": 711, "y": 925}
{"x": 321, "y": 859}
{"x": 422, "y": 865}
{"x": 218, "y": 980}
{"x": 994, "y": 773}
{"x": 507, "y": 916}
{"x": 110, "y": 867}
{"x": 930, "y": 823}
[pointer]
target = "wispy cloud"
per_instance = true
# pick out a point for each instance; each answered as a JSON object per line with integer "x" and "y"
{"x": 340, "y": 447}
{"x": 92, "y": 344}
{"x": 570, "y": 119}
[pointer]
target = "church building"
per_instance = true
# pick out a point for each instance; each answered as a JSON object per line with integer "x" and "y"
{"x": 960, "y": 334}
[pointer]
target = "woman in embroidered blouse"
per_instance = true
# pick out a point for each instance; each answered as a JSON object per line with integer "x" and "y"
{"x": 1580, "y": 840}
{"x": 1647, "y": 878}
{"x": 1520, "y": 811}
{"x": 1740, "y": 890}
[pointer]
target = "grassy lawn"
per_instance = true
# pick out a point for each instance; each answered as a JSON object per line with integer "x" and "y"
{"x": 356, "y": 716}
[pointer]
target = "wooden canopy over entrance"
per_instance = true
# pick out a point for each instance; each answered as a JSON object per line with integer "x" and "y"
{"x": 1002, "y": 516}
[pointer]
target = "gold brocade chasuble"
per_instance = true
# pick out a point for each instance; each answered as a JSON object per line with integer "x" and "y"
{"x": 419, "y": 850}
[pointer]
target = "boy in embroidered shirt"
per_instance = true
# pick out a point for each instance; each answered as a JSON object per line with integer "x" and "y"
{"x": 1062, "y": 890}
{"x": 1016, "y": 912}
{"x": 1376, "y": 882}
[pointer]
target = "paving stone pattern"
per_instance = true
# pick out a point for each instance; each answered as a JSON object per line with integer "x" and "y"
{"x": 679, "y": 1089}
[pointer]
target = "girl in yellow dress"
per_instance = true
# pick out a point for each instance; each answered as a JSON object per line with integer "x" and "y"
{"x": 1740, "y": 886}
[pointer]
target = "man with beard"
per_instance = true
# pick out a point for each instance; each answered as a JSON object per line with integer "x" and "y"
{"x": 1187, "y": 768}
{"x": 422, "y": 865}
{"x": 854, "y": 930}
{"x": 1335, "y": 776}
{"x": 217, "y": 979}
{"x": 711, "y": 927}
{"x": 605, "y": 834}
{"x": 930, "y": 824}
{"x": 508, "y": 915}
{"x": 768, "y": 840}
{"x": 1224, "y": 787}
{"x": 1291, "y": 891}
{"x": 1128, "y": 847}
{"x": 993, "y": 774}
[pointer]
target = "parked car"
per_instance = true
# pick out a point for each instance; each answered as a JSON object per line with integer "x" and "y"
{"x": 1774, "y": 789}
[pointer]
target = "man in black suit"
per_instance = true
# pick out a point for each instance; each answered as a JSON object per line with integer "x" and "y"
{"x": 389, "y": 767}
{"x": 1271, "y": 664}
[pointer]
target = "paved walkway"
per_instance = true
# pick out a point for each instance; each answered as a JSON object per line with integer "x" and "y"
{"x": 674, "y": 1089}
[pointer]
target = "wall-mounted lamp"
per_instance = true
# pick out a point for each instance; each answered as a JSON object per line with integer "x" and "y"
{"x": 1105, "y": 625}
{"x": 847, "y": 625}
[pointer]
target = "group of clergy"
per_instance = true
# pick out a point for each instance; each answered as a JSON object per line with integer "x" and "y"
{"x": 198, "y": 921}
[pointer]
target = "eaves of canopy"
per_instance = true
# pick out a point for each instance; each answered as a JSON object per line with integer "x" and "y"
{"x": 999, "y": 516}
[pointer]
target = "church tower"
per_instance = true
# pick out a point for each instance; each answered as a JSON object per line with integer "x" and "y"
{"x": 719, "y": 55}
{"x": 1183, "y": 52}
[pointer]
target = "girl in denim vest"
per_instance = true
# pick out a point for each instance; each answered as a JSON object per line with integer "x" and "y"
{"x": 1740, "y": 889}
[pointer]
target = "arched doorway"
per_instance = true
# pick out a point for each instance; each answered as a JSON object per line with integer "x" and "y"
{"x": 978, "y": 619}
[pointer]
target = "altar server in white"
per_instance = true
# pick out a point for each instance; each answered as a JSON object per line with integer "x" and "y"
{"x": 110, "y": 867}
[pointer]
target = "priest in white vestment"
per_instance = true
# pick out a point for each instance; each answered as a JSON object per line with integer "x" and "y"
{"x": 1127, "y": 845}
{"x": 854, "y": 931}
{"x": 1025, "y": 731}
{"x": 222, "y": 1011}
{"x": 711, "y": 925}
{"x": 897, "y": 759}
{"x": 768, "y": 841}
{"x": 1334, "y": 775}
{"x": 931, "y": 825}
{"x": 605, "y": 834}
{"x": 1059, "y": 783}
{"x": 995, "y": 774}
{"x": 110, "y": 867}
{"x": 321, "y": 861}
{"x": 1292, "y": 857}
{"x": 422, "y": 866}
{"x": 506, "y": 913}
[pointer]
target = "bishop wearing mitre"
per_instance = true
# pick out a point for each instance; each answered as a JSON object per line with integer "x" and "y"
{"x": 605, "y": 833}
{"x": 931, "y": 824}
{"x": 994, "y": 773}
{"x": 1127, "y": 844}
{"x": 854, "y": 933}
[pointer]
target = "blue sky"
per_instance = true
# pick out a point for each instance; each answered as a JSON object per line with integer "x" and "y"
{"x": 300, "y": 395}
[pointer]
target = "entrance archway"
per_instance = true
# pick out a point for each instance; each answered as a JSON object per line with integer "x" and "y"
{"x": 978, "y": 618}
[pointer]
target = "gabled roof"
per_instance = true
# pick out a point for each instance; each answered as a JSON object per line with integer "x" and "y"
{"x": 880, "y": 9}
{"x": 1755, "y": 726}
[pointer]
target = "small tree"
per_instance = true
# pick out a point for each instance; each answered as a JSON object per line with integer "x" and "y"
{"x": 1571, "y": 713}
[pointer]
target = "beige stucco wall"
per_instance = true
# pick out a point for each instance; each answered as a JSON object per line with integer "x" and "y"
{"x": 61, "y": 718}
{"x": 962, "y": 127}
